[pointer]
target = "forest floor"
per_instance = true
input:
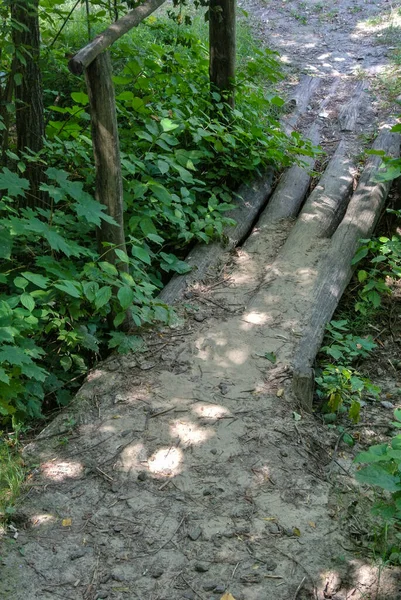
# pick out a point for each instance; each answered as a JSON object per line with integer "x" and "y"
{"x": 188, "y": 471}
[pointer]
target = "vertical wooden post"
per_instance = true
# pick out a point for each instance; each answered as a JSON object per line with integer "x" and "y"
{"x": 106, "y": 149}
{"x": 222, "y": 46}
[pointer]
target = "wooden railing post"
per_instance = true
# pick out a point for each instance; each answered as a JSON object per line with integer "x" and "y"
{"x": 106, "y": 150}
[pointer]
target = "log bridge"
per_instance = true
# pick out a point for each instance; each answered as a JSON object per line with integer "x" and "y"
{"x": 310, "y": 239}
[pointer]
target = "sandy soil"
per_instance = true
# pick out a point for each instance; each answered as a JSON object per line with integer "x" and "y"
{"x": 188, "y": 472}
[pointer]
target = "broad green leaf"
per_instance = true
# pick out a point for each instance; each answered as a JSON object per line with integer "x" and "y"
{"x": 141, "y": 254}
{"x": 125, "y": 343}
{"x": 147, "y": 226}
{"x": 168, "y": 125}
{"x": 378, "y": 476}
{"x": 3, "y": 376}
{"x": 122, "y": 255}
{"x": 163, "y": 166}
{"x": 90, "y": 290}
{"x": 14, "y": 355}
{"x": 27, "y": 301}
{"x": 359, "y": 255}
{"x": 108, "y": 268}
{"x": 39, "y": 280}
{"x": 125, "y": 296}
{"x": 70, "y": 288}
{"x": 6, "y": 243}
{"x": 376, "y": 453}
{"x": 80, "y": 98}
{"x": 21, "y": 282}
{"x": 103, "y": 296}
{"x": 15, "y": 185}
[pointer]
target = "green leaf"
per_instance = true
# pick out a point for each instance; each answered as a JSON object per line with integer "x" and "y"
{"x": 3, "y": 376}
{"x": 147, "y": 226}
{"x": 6, "y": 243}
{"x": 141, "y": 254}
{"x": 168, "y": 125}
{"x": 125, "y": 296}
{"x": 108, "y": 268}
{"x": 72, "y": 288}
{"x": 21, "y": 282}
{"x": 359, "y": 255}
{"x": 27, "y": 301}
{"x": 39, "y": 280}
{"x": 376, "y": 453}
{"x": 80, "y": 98}
{"x": 378, "y": 476}
{"x": 14, "y": 184}
{"x": 270, "y": 356}
{"x": 14, "y": 355}
{"x": 90, "y": 290}
{"x": 103, "y": 296}
{"x": 122, "y": 255}
{"x": 362, "y": 276}
{"x": 125, "y": 343}
{"x": 163, "y": 166}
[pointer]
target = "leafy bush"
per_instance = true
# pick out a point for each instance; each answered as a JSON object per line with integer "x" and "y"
{"x": 382, "y": 258}
{"x": 58, "y": 290}
{"x": 340, "y": 383}
{"x": 383, "y": 470}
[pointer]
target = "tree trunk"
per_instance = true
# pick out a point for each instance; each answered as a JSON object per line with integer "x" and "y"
{"x": 222, "y": 47}
{"x": 28, "y": 91}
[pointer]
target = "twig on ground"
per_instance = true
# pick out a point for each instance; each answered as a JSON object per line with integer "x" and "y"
{"x": 193, "y": 589}
{"x": 163, "y": 545}
{"x": 299, "y": 588}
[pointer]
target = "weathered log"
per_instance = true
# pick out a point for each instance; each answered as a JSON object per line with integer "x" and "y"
{"x": 291, "y": 189}
{"x": 104, "y": 40}
{"x": 348, "y": 116}
{"x": 326, "y": 205}
{"x": 252, "y": 199}
{"x": 294, "y": 184}
{"x": 202, "y": 257}
{"x": 299, "y": 99}
{"x": 106, "y": 150}
{"x": 335, "y": 270}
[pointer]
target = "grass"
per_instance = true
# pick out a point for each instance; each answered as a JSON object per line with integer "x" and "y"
{"x": 12, "y": 475}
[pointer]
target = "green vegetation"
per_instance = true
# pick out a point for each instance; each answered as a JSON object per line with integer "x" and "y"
{"x": 183, "y": 153}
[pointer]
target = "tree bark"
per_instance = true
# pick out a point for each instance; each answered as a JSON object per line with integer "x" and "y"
{"x": 106, "y": 149}
{"x": 222, "y": 47}
{"x": 28, "y": 91}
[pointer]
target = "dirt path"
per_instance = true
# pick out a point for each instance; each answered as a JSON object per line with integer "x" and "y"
{"x": 186, "y": 473}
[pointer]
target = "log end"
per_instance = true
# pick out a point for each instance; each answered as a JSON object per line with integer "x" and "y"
{"x": 302, "y": 386}
{"x": 75, "y": 66}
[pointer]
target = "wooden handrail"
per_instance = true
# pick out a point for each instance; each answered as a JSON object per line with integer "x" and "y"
{"x": 88, "y": 53}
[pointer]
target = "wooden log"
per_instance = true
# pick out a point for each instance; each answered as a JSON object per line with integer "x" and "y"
{"x": 104, "y": 40}
{"x": 326, "y": 205}
{"x": 335, "y": 270}
{"x": 252, "y": 199}
{"x": 348, "y": 116}
{"x": 294, "y": 184}
{"x": 106, "y": 150}
{"x": 291, "y": 189}
{"x": 222, "y": 45}
{"x": 299, "y": 99}
{"x": 203, "y": 257}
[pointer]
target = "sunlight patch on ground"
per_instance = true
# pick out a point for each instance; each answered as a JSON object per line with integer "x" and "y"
{"x": 211, "y": 411}
{"x": 58, "y": 471}
{"x": 166, "y": 462}
{"x": 42, "y": 519}
{"x": 238, "y": 357}
{"x": 256, "y": 318}
{"x": 189, "y": 433}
